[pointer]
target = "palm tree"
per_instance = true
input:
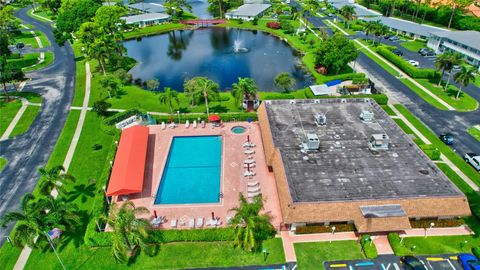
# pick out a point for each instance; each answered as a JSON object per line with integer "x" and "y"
{"x": 168, "y": 97}
{"x": 464, "y": 77}
{"x": 458, "y": 4}
{"x": 251, "y": 227}
{"x": 202, "y": 87}
{"x": 455, "y": 60}
{"x": 284, "y": 81}
{"x": 348, "y": 12}
{"x": 376, "y": 28}
{"x": 443, "y": 63}
{"x": 54, "y": 178}
{"x": 128, "y": 231}
{"x": 246, "y": 88}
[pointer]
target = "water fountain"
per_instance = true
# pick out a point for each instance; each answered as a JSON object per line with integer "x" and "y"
{"x": 237, "y": 45}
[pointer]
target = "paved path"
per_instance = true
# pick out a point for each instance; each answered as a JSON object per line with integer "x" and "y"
{"x": 382, "y": 244}
{"x": 18, "y": 116}
{"x": 462, "y": 230}
{"x": 26, "y": 152}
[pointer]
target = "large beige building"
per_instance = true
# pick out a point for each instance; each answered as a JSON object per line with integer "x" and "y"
{"x": 347, "y": 161}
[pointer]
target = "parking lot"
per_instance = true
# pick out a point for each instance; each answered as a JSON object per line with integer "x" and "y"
{"x": 391, "y": 262}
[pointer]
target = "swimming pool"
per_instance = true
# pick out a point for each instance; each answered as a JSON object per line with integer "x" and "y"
{"x": 192, "y": 171}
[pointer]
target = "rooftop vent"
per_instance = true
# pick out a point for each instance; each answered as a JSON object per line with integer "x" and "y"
{"x": 379, "y": 142}
{"x": 366, "y": 116}
{"x": 311, "y": 142}
{"x": 321, "y": 119}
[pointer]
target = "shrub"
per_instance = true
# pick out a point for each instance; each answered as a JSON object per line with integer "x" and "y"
{"x": 324, "y": 228}
{"x": 431, "y": 151}
{"x": 278, "y": 96}
{"x": 356, "y": 27}
{"x": 97, "y": 146}
{"x": 368, "y": 246}
{"x": 405, "y": 66}
{"x": 285, "y": 17}
{"x": 441, "y": 223}
{"x": 255, "y": 21}
{"x": 398, "y": 248}
{"x": 287, "y": 27}
{"x": 112, "y": 120}
{"x": 226, "y": 117}
{"x": 273, "y": 25}
{"x": 476, "y": 251}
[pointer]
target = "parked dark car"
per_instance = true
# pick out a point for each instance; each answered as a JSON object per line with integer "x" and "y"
{"x": 447, "y": 138}
{"x": 427, "y": 52}
{"x": 412, "y": 263}
{"x": 394, "y": 38}
{"x": 422, "y": 50}
{"x": 20, "y": 45}
{"x": 398, "y": 52}
{"x": 469, "y": 262}
{"x": 386, "y": 37}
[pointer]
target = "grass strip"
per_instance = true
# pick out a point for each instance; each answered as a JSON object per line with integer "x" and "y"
{"x": 25, "y": 121}
{"x": 314, "y": 255}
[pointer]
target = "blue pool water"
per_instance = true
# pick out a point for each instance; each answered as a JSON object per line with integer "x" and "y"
{"x": 192, "y": 172}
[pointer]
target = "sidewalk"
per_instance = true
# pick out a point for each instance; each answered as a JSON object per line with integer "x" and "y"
{"x": 462, "y": 230}
{"x": 382, "y": 244}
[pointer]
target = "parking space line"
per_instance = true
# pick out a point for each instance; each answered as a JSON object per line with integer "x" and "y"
{"x": 396, "y": 266}
{"x": 451, "y": 264}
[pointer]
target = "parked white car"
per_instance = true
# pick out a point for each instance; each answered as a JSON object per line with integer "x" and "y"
{"x": 413, "y": 63}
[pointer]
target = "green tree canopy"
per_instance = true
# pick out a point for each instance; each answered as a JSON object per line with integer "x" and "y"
{"x": 111, "y": 84}
{"x": 175, "y": 7}
{"x": 168, "y": 97}
{"x": 464, "y": 77}
{"x": 284, "y": 81}
{"x": 54, "y": 178}
{"x": 202, "y": 87}
{"x": 349, "y": 13}
{"x": 246, "y": 88}
{"x": 335, "y": 53}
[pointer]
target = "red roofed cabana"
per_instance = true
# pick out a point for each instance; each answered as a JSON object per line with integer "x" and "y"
{"x": 129, "y": 166}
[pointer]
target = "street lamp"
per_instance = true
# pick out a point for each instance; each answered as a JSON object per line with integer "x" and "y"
{"x": 50, "y": 241}
{"x": 105, "y": 192}
{"x": 9, "y": 240}
{"x": 264, "y": 251}
{"x": 333, "y": 232}
{"x": 178, "y": 114}
{"x": 431, "y": 226}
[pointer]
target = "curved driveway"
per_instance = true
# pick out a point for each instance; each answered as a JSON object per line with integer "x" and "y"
{"x": 27, "y": 152}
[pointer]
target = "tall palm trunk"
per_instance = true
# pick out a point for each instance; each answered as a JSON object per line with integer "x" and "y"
{"x": 441, "y": 77}
{"x": 6, "y": 91}
{"x": 205, "y": 95}
{"x": 392, "y": 13}
{"x": 448, "y": 81}
{"x": 451, "y": 16}
{"x": 459, "y": 91}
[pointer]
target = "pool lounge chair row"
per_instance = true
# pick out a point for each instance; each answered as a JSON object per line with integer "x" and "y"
{"x": 199, "y": 224}
{"x": 253, "y": 189}
{"x": 187, "y": 124}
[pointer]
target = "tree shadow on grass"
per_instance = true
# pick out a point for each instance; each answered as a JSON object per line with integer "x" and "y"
{"x": 219, "y": 108}
{"x": 82, "y": 192}
{"x": 184, "y": 110}
{"x": 76, "y": 236}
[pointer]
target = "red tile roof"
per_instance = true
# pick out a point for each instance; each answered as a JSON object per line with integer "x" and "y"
{"x": 129, "y": 166}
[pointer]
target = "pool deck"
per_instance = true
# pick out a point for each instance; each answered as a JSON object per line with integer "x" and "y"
{"x": 232, "y": 179}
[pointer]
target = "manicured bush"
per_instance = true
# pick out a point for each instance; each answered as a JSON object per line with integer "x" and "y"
{"x": 476, "y": 251}
{"x": 405, "y": 66}
{"x": 368, "y": 247}
{"x": 273, "y": 25}
{"x": 394, "y": 240}
{"x": 112, "y": 120}
{"x": 431, "y": 151}
{"x": 356, "y": 27}
{"x": 279, "y": 96}
{"x": 440, "y": 223}
{"x": 325, "y": 228}
{"x": 226, "y": 117}
{"x": 285, "y": 17}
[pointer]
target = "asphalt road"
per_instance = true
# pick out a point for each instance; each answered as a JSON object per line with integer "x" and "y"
{"x": 439, "y": 121}
{"x": 27, "y": 152}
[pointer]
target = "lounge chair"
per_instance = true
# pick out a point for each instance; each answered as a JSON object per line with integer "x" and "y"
{"x": 253, "y": 189}
{"x": 172, "y": 125}
{"x": 173, "y": 223}
{"x": 248, "y": 173}
{"x": 194, "y": 124}
{"x": 249, "y": 161}
{"x": 248, "y": 144}
{"x": 187, "y": 124}
{"x": 253, "y": 194}
{"x": 203, "y": 124}
{"x": 252, "y": 184}
{"x": 191, "y": 223}
{"x": 199, "y": 222}
{"x": 163, "y": 125}
{"x": 249, "y": 152}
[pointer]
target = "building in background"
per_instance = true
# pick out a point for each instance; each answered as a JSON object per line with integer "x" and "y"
{"x": 248, "y": 12}
{"x": 467, "y": 43}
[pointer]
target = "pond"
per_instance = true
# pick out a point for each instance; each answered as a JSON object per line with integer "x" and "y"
{"x": 218, "y": 53}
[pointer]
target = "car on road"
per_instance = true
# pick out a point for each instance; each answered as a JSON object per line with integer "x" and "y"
{"x": 398, "y": 52}
{"x": 330, "y": 15}
{"x": 412, "y": 263}
{"x": 469, "y": 262}
{"x": 473, "y": 159}
{"x": 427, "y": 52}
{"x": 447, "y": 138}
{"x": 20, "y": 45}
{"x": 394, "y": 38}
{"x": 422, "y": 50}
{"x": 413, "y": 63}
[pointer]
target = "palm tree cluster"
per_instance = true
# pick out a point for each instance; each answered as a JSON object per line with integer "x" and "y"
{"x": 446, "y": 62}
{"x": 348, "y": 12}
{"x": 39, "y": 214}
{"x": 376, "y": 28}
{"x": 251, "y": 227}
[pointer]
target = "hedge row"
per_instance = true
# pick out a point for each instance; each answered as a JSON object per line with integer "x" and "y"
{"x": 405, "y": 66}
{"x": 112, "y": 120}
{"x": 99, "y": 239}
{"x": 440, "y": 223}
{"x": 226, "y": 117}
{"x": 394, "y": 240}
{"x": 368, "y": 246}
{"x": 431, "y": 151}
{"x": 325, "y": 228}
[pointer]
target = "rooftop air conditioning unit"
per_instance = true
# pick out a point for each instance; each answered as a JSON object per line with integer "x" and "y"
{"x": 379, "y": 142}
{"x": 311, "y": 142}
{"x": 366, "y": 116}
{"x": 321, "y": 119}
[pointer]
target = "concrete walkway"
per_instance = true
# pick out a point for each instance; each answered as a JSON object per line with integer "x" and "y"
{"x": 382, "y": 244}
{"x": 15, "y": 120}
{"x": 25, "y": 254}
{"x": 289, "y": 238}
{"x": 442, "y": 157}
{"x": 462, "y": 230}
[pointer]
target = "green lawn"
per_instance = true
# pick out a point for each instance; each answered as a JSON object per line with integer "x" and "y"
{"x": 49, "y": 57}
{"x": 30, "y": 96}
{"x": 464, "y": 103}
{"x": 27, "y": 60}
{"x": 26, "y": 38}
{"x": 8, "y": 110}
{"x": 433, "y": 138}
{"x": 40, "y": 13}
{"x": 153, "y": 30}
{"x": 80, "y": 75}
{"x": 413, "y": 45}
{"x": 423, "y": 94}
{"x": 477, "y": 81}
{"x": 475, "y": 132}
{"x": 26, "y": 120}
{"x": 3, "y": 163}
{"x": 314, "y": 255}
{"x": 43, "y": 38}
{"x": 388, "y": 110}
{"x": 408, "y": 130}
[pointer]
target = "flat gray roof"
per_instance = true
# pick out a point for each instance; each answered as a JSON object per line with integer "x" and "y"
{"x": 344, "y": 168}
{"x": 360, "y": 10}
{"x": 467, "y": 38}
{"x": 249, "y": 10}
{"x": 145, "y": 17}
{"x": 148, "y": 7}
{"x": 407, "y": 26}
